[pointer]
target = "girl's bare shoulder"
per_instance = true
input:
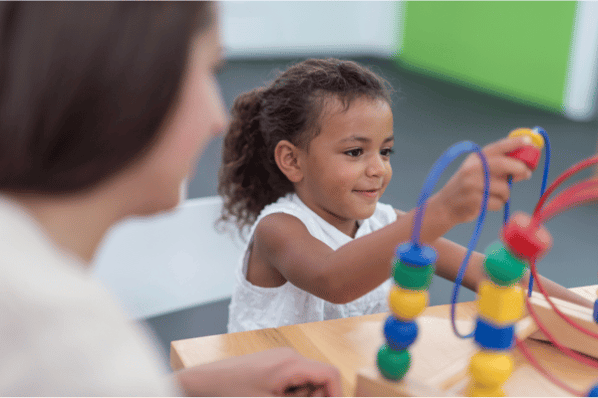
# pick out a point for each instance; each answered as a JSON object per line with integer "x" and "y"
{"x": 284, "y": 242}
{"x": 276, "y": 230}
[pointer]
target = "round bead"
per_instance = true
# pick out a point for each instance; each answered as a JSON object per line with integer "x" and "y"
{"x": 393, "y": 364}
{"x": 501, "y": 266}
{"x": 478, "y": 390}
{"x": 491, "y": 369}
{"x": 399, "y": 334}
{"x": 492, "y": 337}
{"x": 524, "y": 241}
{"x": 500, "y": 305}
{"x": 414, "y": 278}
{"x": 537, "y": 139}
{"x": 593, "y": 392}
{"x": 407, "y": 304}
{"x": 414, "y": 255}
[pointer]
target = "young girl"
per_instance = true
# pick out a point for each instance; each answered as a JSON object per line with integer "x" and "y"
{"x": 305, "y": 161}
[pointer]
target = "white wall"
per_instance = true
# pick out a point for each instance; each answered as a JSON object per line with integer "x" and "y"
{"x": 311, "y": 28}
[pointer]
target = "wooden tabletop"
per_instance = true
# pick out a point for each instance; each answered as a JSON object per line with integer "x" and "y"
{"x": 349, "y": 344}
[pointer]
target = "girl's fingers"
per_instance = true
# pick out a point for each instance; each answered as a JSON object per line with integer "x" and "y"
{"x": 498, "y": 195}
{"x": 500, "y": 166}
{"x": 499, "y": 189}
{"x": 503, "y": 166}
{"x": 506, "y": 145}
{"x": 495, "y": 203}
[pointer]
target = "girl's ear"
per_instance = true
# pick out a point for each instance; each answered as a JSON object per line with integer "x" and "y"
{"x": 287, "y": 159}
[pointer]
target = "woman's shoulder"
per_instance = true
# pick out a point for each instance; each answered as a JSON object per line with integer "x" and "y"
{"x": 85, "y": 325}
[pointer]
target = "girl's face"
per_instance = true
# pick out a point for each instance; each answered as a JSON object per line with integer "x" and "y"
{"x": 347, "y": 167}
{"x": 198, "y": 116}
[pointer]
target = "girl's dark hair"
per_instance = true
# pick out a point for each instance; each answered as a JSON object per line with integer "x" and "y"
{"x": 288, "y": 109}
{"x": 86, "y": 86}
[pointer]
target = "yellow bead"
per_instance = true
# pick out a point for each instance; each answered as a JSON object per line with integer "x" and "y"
{"x": 491, "y": 368}
{"x": 478, "y": 390}
{"x": 407, "y": 304}
{"x": 537, "y": 139}
{"x": 500, "y": 305}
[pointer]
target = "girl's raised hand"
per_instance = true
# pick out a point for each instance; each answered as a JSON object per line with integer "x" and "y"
{"x": 461, "y": 197}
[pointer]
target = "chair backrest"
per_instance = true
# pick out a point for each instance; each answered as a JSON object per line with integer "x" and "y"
{"x": 169, "y": 262}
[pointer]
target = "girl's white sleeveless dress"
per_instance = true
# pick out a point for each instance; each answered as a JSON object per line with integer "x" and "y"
{"x": 253, "y": 307}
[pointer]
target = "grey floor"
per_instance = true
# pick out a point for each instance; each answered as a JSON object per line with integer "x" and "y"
{"x": 429, "y": 116}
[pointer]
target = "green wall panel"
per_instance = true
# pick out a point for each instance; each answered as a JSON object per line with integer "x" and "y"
{"x": 519, "y": 50}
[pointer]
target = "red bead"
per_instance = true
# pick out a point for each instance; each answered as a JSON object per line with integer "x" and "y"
{"x": 529, "y": 154}
{"x": 525, "y": 241}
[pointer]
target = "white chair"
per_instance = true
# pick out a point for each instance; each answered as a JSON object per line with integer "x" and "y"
{"x": 169, "y": 262}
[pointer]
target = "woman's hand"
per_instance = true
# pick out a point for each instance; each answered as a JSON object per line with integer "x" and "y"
{"x": 461, "y": 197}
{"x": 275, "y": 372}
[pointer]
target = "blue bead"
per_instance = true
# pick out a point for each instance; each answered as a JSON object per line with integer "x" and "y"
{"x": 399, "y": 334}
{"x": 596, "y": 311}
{"x": 593, "y": 391}
{"x": 491, "y": 337}
{"x": 417, "y": 256}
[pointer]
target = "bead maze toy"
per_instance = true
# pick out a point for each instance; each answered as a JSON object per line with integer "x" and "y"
{"x": 488, "y": 365}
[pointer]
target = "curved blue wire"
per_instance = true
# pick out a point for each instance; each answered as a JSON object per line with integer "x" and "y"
{"x": 542, "y": 188}
{"x": 507, "y": 203}
{"x": 542, "y": 132}
{"x": 546, "y": 158}
{"x": 439, "y": 166}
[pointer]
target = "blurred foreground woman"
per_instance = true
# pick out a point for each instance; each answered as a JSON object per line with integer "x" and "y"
{"x": 104, "y": 111}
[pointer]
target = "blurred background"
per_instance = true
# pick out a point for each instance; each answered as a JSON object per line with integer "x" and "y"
{"x": 461, "y": 71}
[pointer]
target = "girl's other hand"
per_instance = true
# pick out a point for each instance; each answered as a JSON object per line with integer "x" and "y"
{"x": 461, "y": 197}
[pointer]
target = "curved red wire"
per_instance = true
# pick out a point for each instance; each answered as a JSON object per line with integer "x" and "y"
{"x": 584, "y": 190}
{"x": 581, "y": 197}
{"x": 566, "y": 350}
{"x": 568, "y": 173}
{"x": 578, "y": 193}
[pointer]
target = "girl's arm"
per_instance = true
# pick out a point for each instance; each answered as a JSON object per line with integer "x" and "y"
{"x": 283, "y": 242}
{"x": 450, "y": 256}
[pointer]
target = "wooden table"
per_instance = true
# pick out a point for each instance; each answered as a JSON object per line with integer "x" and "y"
{"x": 350, "y": 344}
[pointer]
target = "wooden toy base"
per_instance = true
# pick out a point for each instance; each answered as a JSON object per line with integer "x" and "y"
{"x": 440, "y": 359}
{"x": 561, "y": 330}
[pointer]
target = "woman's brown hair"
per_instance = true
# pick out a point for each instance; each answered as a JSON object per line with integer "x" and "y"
{"x": 287, "y": 109}
{"x": 85, "y": 86}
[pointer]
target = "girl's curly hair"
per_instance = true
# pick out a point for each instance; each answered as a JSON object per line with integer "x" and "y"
{"x": 287, "y": 109}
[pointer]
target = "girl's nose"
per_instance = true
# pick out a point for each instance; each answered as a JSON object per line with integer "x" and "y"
{"x": 376, "y": 167}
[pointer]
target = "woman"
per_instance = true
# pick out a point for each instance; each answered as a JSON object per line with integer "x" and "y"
{"x": 104, "y": 110}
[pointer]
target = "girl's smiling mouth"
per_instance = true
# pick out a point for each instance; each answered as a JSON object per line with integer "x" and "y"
{"x": 370, "y": 193}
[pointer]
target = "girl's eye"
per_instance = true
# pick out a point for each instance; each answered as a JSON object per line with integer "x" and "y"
{"x": 354, "y": 152}
{"x": 387, "y": 151}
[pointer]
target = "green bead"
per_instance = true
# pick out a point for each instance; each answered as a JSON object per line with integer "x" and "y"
{"x": 393, "y": 364}
{"x": 413, "y": 278}
{"x": 501, "y": 266}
